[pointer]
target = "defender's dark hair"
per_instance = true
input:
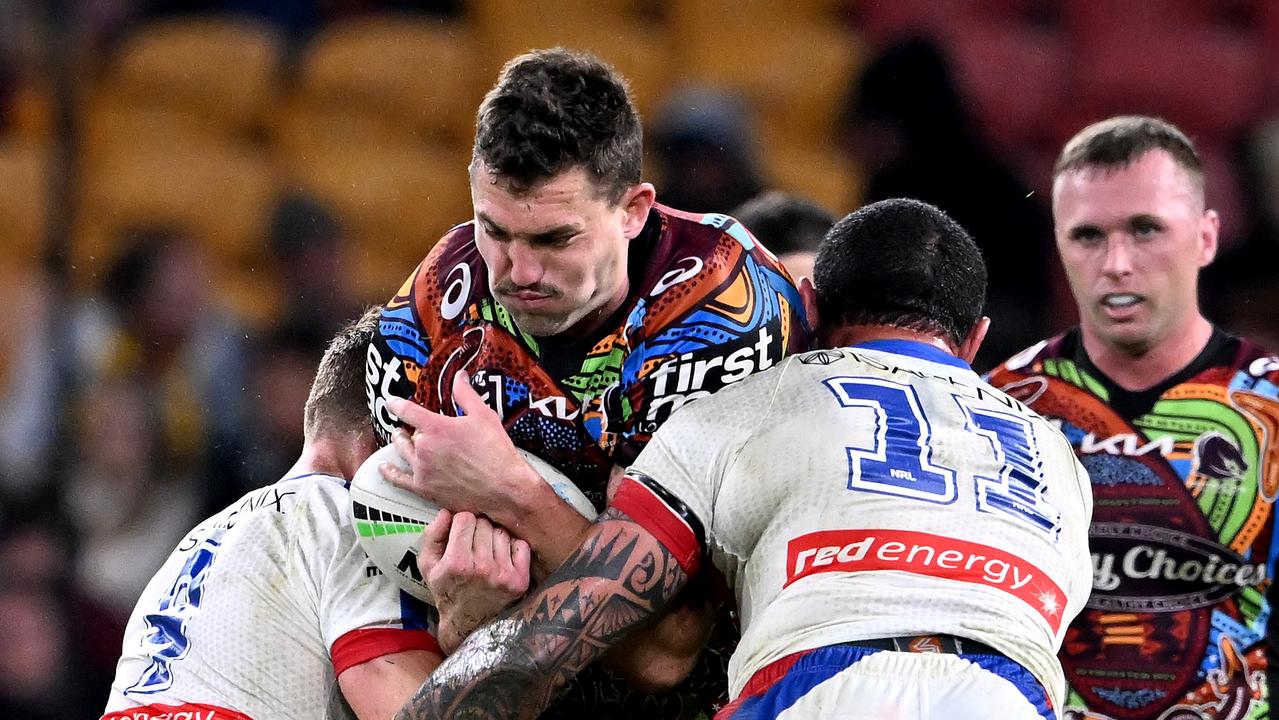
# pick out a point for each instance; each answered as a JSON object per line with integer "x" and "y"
{"x": 337, "y": 401}
{"x": 785, "y": 223}
{"x": 553, "y": 110}
{"x": 903, "y": 263}
{"x": 1119, "y": 141}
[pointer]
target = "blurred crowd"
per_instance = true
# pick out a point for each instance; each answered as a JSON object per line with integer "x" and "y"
{"x": 139, "y": 392}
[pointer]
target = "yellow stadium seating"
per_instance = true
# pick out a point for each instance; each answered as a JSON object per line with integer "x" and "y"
{"x": 223, "y": 71}
{"x": 219, "y": 192}
{"x": 818, "y": 173}
{"x": 795, "y": 73}
{"x": 395, "y": 200}
{"x": 639, "y": 50}
{"x": 24, "y": 199}
{"x": 417, "y": 73}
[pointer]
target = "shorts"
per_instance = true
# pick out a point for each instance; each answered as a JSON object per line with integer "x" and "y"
{"x": 851, "y": 681}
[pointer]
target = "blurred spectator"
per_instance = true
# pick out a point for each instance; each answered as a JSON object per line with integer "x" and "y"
{"x": 282, "y": 371}
{"x": 163, "y": 328}
{"x": 306, "y": 242}
{"x": 28, "y": 387}
{"x": 790, "y": 226}
{"x": 36, "y": 556}
{"x": 37, "y": 659}
{"x": 907, "y": 125}
{"x": 705, "y": 157}
{"x": 19, "y": 49}
{"x": 295, "y": 18}
{"x": 130, "y": 505}
{"x": 1241, "y": 287}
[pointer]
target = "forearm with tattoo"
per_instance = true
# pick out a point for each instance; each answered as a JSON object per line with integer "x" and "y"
{"x": 619, "y": 577}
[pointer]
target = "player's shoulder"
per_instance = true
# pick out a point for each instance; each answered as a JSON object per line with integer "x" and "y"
{"x": 315, "y": 501}
{"x": 703, "y": 247}
{"x": 1031, "y": 361}
{"x": 437, "y": 293}
{"x": 1257, "y": 368}
{"x": 702, "y": 260}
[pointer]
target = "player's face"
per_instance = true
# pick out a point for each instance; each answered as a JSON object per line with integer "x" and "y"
{"x": 556, "y": 255}
{"x": 1132, "y": 241}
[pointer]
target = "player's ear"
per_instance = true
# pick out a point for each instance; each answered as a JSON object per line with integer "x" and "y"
{"x": 637, "y": 202}
{"x": 808, "y": 294}
{"x": 971, "y": 344}
{"x": 1209, "y": 227}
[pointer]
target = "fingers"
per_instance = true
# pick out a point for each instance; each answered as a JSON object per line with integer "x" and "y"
{"x": 398, "y": 477}
{"x": 409, "y": 412}
{"x": 465, "y": 397}
{"x": 521, "y": 558}
{"x": 434, "y": 540}
{"x": 482, "y": 541}
{"x": 462, "y": 534}
{"x": 501, "y": 547}
{"x": 403, "y": 443}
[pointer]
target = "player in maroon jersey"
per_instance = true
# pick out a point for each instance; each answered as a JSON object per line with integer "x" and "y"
{"x": 1176, "y": 421}
{"x": 583, "y": 313}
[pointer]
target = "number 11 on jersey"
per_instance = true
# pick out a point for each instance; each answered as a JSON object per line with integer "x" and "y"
{"x": 897, "y": 460}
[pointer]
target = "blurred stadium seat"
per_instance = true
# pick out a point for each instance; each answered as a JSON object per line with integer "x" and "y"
{"x": 219, "y": 192}
{"x": 1016, "y": 77}
{"x": 111, "y": 126}
{"x": 883, "y": 22}
{"x": 795, "y": 73}
{"x": 223, "y": 71}
{"x": 395, "y": 200}
{"x": 624, "y": 36}
{"x": 816, "y": 172}
{"x": 420, "y": 75}
{"x": 24, "y": 201}
{"x": 1208, "y": 80}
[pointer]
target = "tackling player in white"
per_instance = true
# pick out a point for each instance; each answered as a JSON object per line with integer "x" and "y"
{"x": 903, "y": 539}
{"x": 271, "y": 609}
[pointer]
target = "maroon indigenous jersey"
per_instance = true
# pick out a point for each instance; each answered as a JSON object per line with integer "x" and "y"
{"x": 1184, "y": 477}
{"x": 708, "y": 306}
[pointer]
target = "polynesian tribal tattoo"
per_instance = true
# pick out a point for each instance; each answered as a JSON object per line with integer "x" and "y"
{"x": 618, "y": 578}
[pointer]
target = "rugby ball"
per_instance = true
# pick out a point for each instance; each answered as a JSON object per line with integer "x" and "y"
{"x": 389, "y": 521}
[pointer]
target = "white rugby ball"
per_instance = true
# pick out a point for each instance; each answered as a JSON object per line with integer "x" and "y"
{"x": 389, "y": 521}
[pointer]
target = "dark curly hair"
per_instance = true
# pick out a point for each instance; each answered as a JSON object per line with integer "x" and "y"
{"x": 554, "y": 110}
{"x": 903, "y": 263}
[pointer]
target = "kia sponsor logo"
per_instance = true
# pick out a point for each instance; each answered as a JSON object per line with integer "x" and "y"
{"x": 1143, "y": 568}
{"x": 926, "y": 554}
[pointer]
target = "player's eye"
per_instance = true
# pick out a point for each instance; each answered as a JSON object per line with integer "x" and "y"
{"x": 1143, "y": 229}
{"x": 1087, "y": 235}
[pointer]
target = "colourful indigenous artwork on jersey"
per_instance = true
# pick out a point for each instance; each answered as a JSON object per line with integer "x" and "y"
{"x": 1184, "y": 481}
{"x": 708, "y": 306}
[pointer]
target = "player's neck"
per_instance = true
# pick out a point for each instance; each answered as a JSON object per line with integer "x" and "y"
{"x": 335, "y": 455}
{"x": 848, "y": 335}
{"x": 1136, "y": 369}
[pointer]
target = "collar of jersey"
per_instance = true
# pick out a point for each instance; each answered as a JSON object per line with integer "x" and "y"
{"x": 915, "y": 349}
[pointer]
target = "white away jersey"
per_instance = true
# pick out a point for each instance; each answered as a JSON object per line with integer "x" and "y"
{"x": 871, "y": 492}
{"x": 257, "y": 612}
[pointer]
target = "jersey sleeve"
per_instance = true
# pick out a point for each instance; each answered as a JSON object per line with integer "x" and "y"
{"x": 671, "y": 488}
{"x": 734, "y": 320}
{"x": 363, "y": 614}
{"x": 396, "y": 356}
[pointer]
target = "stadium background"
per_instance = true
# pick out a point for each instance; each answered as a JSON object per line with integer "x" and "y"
{"x": 194, "y": 194}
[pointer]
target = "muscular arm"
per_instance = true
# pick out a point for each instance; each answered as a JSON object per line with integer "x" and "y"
{"x": 653, "y": 659}
{"x": 618, "y": 578}
{"x": 377, "y": 688}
